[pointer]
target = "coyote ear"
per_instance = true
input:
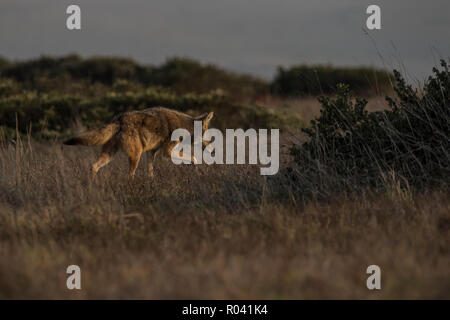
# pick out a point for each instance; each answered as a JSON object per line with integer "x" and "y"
{"x": 205, "y": 117}
{"x": 208, "y": 118}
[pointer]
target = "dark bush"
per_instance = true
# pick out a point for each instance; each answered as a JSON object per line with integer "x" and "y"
{"x": 186, "y": 75}
{"x": 322, "y": 79}
{"x": 98, "y": 69}
{"x": 9, "y": 87}
{"x": 352, "y": 148}
{"x": 4, "y": 63}
{"x": 179, "y": 74}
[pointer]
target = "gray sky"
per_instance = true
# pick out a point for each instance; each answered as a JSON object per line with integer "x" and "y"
{"x": 252, "y": 36}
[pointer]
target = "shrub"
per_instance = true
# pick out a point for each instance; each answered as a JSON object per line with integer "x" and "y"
{"x": 186, "y": 75}
{"x": 9, "y": 87}
{"x": 97, "y": 69}
{"x": 323, "y": 79}
{"x": 178, "y": 74}
{"x": 4, "y": 63}
{"x": 52, "y": 114}
{"x": 351, "y": 148}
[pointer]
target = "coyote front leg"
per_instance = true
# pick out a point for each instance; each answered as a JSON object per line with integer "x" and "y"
{"x": 169, "y": 147}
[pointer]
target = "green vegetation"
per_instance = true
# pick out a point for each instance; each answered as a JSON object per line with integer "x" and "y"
{"x": 351, "y": 149}
{"x": 48, "y": 115}
{"x": 186, "y": 75}
{"x": 322, "y": 79}
{"x": 179, "y": 74}
{"x": 48, "y": 96}
{"x": 183, "y": 75}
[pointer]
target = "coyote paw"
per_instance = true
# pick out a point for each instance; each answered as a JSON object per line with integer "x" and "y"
{"x": 92, "y": 174}
{"x": 150, "y": 172}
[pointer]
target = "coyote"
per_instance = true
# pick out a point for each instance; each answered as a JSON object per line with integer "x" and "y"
{"x": 140, "y": 131}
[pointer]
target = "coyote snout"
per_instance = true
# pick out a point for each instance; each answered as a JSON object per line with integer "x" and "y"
{"x": 136, "y": 132}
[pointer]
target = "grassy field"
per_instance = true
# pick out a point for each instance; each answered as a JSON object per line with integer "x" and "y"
{"x": 365, "y": 183}
{"x": 212, "y": 233}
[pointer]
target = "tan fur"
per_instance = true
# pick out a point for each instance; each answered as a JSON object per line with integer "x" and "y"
{"x": 136, "y": 132}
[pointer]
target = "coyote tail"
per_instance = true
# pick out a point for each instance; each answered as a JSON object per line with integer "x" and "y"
{"x": 95, "y": 137}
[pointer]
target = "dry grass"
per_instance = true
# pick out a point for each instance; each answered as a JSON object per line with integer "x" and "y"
{"x": 211, "y": 233}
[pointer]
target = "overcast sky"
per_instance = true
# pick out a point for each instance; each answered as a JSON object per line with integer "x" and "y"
{"x": 252, "y": 36}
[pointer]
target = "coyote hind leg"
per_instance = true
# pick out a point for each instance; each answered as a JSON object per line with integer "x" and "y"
{"x": 152, "y": 156}
{"x": 108, "y": 151}
{"x": 133, "y": 149}
{"x": 133, "y": 160}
